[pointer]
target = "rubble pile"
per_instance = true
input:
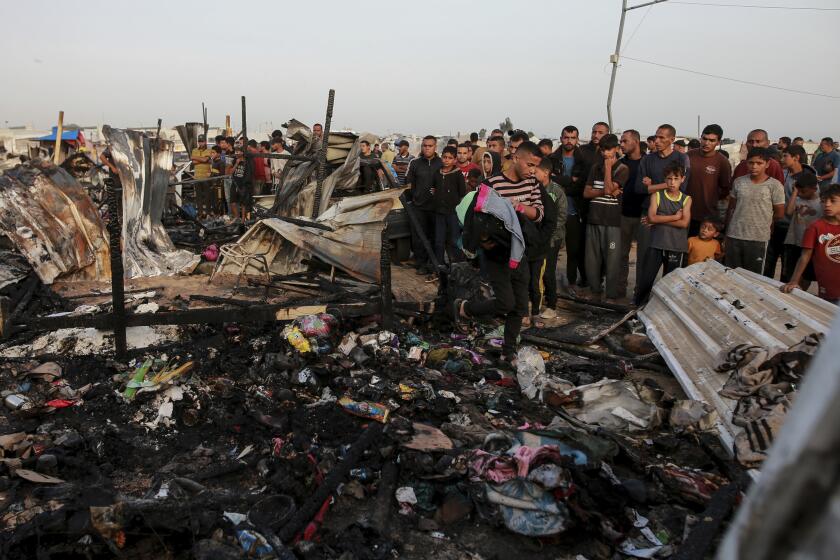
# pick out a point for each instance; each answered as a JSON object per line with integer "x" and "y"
{"x": 335, "y": 438}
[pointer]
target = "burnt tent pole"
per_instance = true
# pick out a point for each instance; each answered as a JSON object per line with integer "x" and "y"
{"x": 322, "y": 156}
{"x": 385, "y": 277}
{"x": 117, "y": 281}
{"x": 244, "y": 122}
{"x": 204, "y": 118}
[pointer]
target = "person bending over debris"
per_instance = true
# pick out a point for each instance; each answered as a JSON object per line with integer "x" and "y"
{"x": 669, "y": 215}
{"x": 504, "y": 206}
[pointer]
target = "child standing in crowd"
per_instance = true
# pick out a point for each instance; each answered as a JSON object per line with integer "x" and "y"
{"x": 603, "y": 231}
{"x": 821, "y": 244}
{"x": 242, "y": 186}
{"x": 803, "y": 209}
{"x": 669, "y": 214}
{"x": 755, "y": 202}
{"x": 704, "y": 246}
{"x": 448, "y": 190}
{"x": 473, "y": 179}
{"x": 558, "y": 238}
{"x": 537, "y": 254}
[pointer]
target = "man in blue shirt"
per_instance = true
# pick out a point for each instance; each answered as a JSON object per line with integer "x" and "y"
{"x": 827, "y": 162}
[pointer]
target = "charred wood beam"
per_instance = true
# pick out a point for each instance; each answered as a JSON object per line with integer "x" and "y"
{"x": 322, "y": 157}
{"x": 601, "y": 304}
{"x": 336, "y": 476}
{"x": 418, "y": 229}
{"x": 699, "y": 541}
{"x": 210, "y": 315}
{"x": 385, "y": 274}
{"x": 244, "y": 121}
{"x": 118, "y": 322}
{"x": 641, "y": 361}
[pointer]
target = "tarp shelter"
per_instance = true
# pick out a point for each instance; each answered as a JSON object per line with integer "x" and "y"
{"x": 71, "y": 140}
{"x": 353, "y": 245}
{"x": 74, "y": 137}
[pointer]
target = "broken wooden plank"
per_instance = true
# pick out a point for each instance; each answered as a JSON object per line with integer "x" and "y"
{"x": 611, "y": 328}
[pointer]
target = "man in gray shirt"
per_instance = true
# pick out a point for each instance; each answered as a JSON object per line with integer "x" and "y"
{"x": 756, "y": 201}
{"x": 651, "y": 179}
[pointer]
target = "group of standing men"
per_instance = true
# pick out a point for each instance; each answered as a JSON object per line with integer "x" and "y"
{"x": 227, "y": 179}
{"x": 679, "y": 207}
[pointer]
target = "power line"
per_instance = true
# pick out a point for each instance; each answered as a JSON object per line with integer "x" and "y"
{"x": 638, "y": 25}
{"x": 756, "y": 6}
{"x": 733, "y": 79}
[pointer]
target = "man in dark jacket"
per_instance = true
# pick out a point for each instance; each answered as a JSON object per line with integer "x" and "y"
{"x": 420, "y": 179}
{"x": 570, "y": 173}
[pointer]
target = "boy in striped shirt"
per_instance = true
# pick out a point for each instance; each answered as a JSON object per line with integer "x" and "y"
{"x": 510, "y": 279}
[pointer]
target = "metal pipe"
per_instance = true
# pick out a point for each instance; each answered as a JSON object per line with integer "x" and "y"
{"x": 646, "y": 4}
{"x": 322, "y": 156}
{"x": 117, "y": 280}
{"x": 615, "y": 57}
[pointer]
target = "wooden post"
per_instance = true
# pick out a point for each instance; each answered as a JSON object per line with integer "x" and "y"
{"x": 244, "y": 121}
{"x": 58, "y": 132}
{"x": 385, "y": 277}
{"x": 321, "y": 172}
{"x": 204, "y": 116}
{"x": 228, "y": 131}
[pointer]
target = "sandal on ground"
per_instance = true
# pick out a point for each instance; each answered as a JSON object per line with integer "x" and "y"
{"x": 458, "y": 316}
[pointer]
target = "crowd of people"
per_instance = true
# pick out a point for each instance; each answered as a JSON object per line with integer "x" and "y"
{"x": 512, "y": 205}
{"x": 226, "y": 179}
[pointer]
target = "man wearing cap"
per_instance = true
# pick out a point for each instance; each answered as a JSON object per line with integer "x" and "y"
{"x": 401, "y": 161}
{"x": 680, "y": 146}
{"x": 200, "y": 157}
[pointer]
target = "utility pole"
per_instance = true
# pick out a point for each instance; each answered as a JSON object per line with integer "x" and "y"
{"x": 615, "y": 57}
{"x": 698, "y": 127}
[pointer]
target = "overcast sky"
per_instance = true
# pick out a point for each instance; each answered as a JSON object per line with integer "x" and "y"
{"x": 435, "y": 66}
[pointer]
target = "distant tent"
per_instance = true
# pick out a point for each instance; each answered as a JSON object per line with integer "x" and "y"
{"x": 73, "y": 137}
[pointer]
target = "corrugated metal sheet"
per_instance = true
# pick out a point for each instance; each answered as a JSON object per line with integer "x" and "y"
{"x": 353, "y": 246}
{"x": 51, "y": 220}
{"x": 792, "y": 511}
{"x": 144, "y": 164}
{"x": 696, "y": 314}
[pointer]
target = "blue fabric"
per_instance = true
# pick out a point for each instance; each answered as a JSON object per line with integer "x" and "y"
{"x": 65, "y": 135}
